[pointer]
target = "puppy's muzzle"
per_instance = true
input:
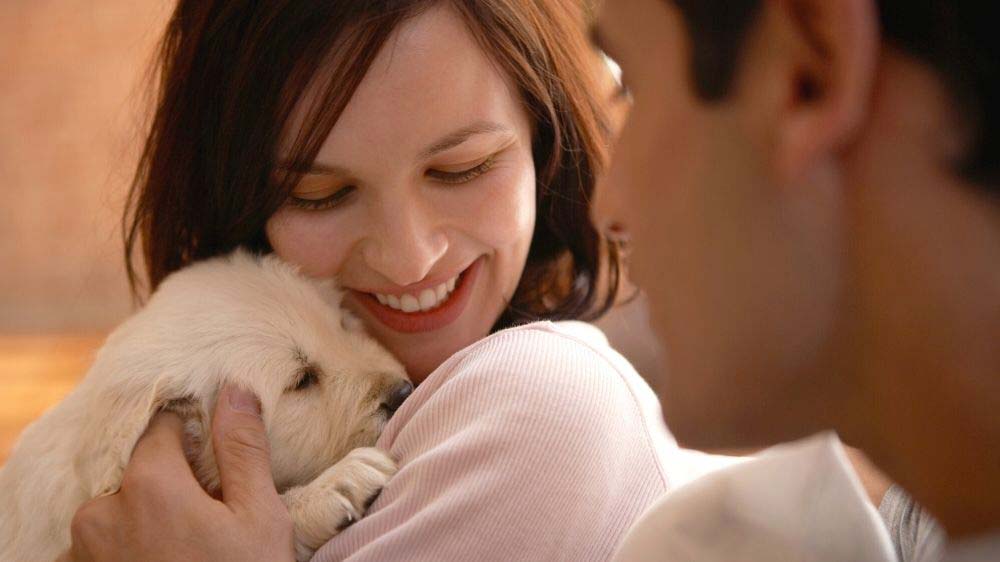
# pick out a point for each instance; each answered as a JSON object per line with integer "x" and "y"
{"x": 395, "y": 398}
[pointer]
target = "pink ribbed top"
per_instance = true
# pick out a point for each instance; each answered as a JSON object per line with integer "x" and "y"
{"x": 537, "y": 443}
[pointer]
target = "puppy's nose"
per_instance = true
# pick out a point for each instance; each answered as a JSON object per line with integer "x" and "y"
{"x": 396, "y": 397}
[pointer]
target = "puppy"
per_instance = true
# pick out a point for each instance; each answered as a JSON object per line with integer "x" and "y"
{"x": 326, "y": 391}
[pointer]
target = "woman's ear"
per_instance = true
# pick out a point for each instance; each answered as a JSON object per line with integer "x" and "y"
{"x": 827, "y": 62}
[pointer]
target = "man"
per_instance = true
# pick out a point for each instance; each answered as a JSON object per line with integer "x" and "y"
{"x": 813, "y": 187}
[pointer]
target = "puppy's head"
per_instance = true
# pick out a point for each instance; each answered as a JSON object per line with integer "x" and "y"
{"x": 325, "y": 386}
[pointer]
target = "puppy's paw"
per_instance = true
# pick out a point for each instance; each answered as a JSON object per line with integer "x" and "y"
{"x": 359, "y": 478}
{"x": 336, "y": 498}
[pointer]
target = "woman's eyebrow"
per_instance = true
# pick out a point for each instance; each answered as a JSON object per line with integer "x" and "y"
{"x": 456, "y": 138}
{"x": 315, "y": 169}
{"x": 450, "y": 140}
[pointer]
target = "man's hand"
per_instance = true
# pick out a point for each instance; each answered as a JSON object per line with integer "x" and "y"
{"x": 161, "y": 512}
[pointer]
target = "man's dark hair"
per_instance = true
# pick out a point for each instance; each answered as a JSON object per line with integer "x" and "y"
{"x": 958, "y": 38}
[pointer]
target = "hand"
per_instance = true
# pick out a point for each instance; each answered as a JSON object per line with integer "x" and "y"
{"x": 161, "y": 512}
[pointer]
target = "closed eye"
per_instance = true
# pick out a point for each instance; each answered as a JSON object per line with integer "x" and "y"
{"x": 308, "y": 377}
{"x": 466, "y": 175}
{"x": 342, "y": 194}
{"x": 327, "y": 202}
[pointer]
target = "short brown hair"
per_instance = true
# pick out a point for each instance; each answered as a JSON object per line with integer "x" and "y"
{"x": 957, "y": 38}
{"x": 231, "y": 71}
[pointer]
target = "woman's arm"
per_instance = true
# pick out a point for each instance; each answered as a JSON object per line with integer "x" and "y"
{"x": 533, "y": 446}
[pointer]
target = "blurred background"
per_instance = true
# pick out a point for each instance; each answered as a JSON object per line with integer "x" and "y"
{"x": 72, "y": 107}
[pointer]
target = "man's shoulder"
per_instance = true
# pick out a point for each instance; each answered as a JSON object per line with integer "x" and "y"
{"x": 793, "y": 502}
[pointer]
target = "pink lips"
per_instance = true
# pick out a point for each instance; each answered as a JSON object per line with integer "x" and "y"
{"x": 439, "y": 317}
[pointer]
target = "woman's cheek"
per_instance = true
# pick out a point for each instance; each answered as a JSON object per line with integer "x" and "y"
{"x": 502, "y": 214}
{"x": 310, "y": 240}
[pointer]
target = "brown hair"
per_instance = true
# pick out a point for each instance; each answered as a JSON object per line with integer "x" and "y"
{"x": 231, "y": 71}
{"x": 957, "y": 38}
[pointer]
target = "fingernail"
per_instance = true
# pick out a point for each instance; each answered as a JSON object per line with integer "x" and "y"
{"x": 243, "y": 401}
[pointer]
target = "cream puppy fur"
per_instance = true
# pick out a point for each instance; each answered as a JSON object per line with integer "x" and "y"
{"x": 326, "y": 391}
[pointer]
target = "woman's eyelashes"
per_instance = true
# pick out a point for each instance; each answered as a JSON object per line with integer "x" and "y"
{"x": 327, "y": 202}
{"x": 465, "y": 175}
{"x": 342, "y": 194}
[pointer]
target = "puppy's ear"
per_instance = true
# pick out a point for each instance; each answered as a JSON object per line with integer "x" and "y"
{"x": 191, "y": 411}
{"x": 198, "y": 438}
{"x": 110, "y": 436}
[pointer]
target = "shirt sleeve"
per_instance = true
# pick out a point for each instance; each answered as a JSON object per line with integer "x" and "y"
{"x": 534, "y": 448}
{"x": 915, "y": 533}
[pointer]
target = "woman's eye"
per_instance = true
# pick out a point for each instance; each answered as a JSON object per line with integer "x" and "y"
{"x": 463, "y": 176}
{"x": 327, "y": 202}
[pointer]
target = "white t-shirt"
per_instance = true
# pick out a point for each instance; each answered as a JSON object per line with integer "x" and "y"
{"x": 794, "y": 503}
{"x": 800, "y": 502}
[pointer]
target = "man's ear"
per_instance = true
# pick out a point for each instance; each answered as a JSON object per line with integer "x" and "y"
{"x": 829, "y": 64}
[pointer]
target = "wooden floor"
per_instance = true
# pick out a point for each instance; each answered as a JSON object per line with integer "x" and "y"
{"x": 35, "y": 373}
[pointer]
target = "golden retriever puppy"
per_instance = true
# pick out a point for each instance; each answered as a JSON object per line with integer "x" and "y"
{"x": 326, "y": 391}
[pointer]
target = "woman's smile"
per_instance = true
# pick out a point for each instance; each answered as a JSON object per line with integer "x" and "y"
{"x": 422, "y": 307}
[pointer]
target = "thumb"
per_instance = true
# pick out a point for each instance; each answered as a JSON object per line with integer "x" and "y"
{"x": 242, "y": 450}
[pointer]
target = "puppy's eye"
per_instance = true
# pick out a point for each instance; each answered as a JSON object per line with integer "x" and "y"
{"x": 308, "y": 376}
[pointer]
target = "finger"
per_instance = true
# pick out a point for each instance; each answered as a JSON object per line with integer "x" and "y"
{"x": 92, "y": 525}
{"x": 65, "y": 557}
{"x": 159, "y": 453}
{"x": 242, "y": 450}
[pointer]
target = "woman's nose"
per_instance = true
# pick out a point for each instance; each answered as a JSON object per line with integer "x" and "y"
{"x": 405, "y": 245}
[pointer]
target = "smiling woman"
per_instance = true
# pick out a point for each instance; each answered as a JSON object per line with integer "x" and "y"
{"x": 385, "y": 144}
{"x": 436, "y": 158}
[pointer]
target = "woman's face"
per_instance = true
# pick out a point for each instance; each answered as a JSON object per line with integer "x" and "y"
{"x": 422, "y": 199}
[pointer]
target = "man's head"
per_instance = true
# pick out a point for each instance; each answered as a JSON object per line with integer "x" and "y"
{"x": 812, "y": 186}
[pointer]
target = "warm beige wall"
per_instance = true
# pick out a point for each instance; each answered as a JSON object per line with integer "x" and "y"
{"x": 70, "y": 113}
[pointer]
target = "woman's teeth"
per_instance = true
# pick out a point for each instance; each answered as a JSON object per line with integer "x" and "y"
{"x": 426, "y": 300}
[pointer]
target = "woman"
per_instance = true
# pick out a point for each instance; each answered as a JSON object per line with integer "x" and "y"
{"x": 437, "y": 158}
